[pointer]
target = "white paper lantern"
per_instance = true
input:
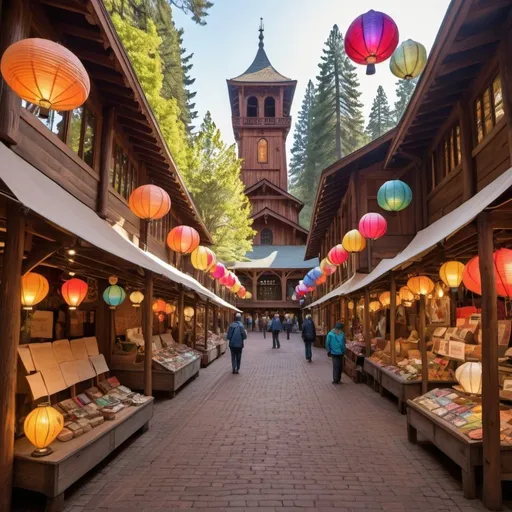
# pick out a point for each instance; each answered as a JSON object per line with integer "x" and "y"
{"x": 469, "y": 376}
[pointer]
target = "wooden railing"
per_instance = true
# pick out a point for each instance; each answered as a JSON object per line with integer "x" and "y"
{"x": 257, "y": 122}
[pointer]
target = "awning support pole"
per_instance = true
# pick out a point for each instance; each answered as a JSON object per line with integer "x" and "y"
{"x": 181, "y": 317}
{"x": 194, "y": 326}
{"x": 206, "y": 319}
{"x": 392, "y": 319}
{"x": 423, "y": 347}
{"x": 492, "y": 497}
{"x": 148, "y": 334}
{"x": 366, "y": 320}
{"x": 10, "y": 320}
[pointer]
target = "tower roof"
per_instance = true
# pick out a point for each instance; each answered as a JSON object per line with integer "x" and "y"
{"x": 261, "y": 71}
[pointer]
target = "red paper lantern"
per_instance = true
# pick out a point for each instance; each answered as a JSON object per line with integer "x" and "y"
{"x": 228, "y": 280}
{"x": 218, "y": 271}
{"x": 241, "y": 292}
{"x": 74, "y": 292}
{"x": 471, "y": 276}
{"x": 503, "y": 272}
{"x": 321, "y": 280}
{"x": 159, "y": 306}
{"x": 373, "y": 226}
{"x": 370, "y": 39}
{"x": 337, "y": 255}
{"x": 183, "y": 239}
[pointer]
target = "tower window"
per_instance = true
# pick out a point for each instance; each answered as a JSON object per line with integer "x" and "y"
{"x": 266, "y": 237}
{"x": 262, "y": 151}
{"x": 270, "y": 107}
{"x": 252, "y": 107}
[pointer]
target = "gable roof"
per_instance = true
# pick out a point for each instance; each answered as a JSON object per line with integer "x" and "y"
{"x": 271, "y": 185}
{"x": 276, "y": 256}
{"x": 268, "y": 211}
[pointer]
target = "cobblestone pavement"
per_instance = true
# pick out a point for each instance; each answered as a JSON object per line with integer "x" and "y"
{"x": 278, "y": 436}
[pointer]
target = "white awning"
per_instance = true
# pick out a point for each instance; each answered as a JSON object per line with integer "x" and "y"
{"x": 441, "y": 229}
{"x": 341, "y": 290}
{"x": 46, "y": 198}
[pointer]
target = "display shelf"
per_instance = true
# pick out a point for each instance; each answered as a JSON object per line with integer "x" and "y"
{"x": 403, "y": 389}
{"x": 209, "y": 355}
{"x": 53, "y": 474}
{"x": 466, "y": 453}
{"x": 163, "y": 380}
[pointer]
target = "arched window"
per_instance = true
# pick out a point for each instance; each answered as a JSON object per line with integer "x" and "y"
{"x": 252, "y": 107}
{"x": 262, "y": 151}
{"x": 266, "y": 237}
{"x": 270, "y": 107}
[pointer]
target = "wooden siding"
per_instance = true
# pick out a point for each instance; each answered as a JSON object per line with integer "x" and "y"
{"x": 493, "y": 158}
{"x": 286, "y": 208}
{"x": 283, "y": 234}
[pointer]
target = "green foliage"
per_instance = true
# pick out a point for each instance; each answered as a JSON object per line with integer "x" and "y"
{"x": 404, "y": 90}
{"x": 381, "y": 118}
{"x": 213, "y": 179}
{"x": 197, "y": 9}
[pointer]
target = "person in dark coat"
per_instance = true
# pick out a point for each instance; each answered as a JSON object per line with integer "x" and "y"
{"x": 288, "y": 326}
{"x": 276, "y": 326}
{"x": 308, "y": 335}
{"x": 236, "y": 336}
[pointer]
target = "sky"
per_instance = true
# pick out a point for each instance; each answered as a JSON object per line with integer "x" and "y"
{"x": 295, "y": 32}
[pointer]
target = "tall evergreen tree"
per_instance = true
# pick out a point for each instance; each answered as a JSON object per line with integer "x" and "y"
{"x": 197, "y": 9}
{"x": 404, "y": 90}
{"x": 213, "y": 179}
{"x": 381, "y": 118}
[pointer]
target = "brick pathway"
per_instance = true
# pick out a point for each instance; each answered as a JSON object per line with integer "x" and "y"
{"x": 278, "y": 436}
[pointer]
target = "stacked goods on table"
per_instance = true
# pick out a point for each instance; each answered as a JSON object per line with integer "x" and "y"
{"x": 209, "y": 345}
{"x": 463, "y": 412}
{"x": 95, "y": 405}
{"x": 216, "y": 339}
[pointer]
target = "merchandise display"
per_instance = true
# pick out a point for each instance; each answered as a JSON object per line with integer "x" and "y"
{"x": 464, "y": 412}
{"x": 174, "y": 357}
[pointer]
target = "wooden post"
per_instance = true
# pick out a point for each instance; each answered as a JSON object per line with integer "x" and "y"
{"x": 10, "y": 320}
{"x": 107, "y": 141}
{"x": 194, "y": 327}
{"x": 369, "y": 249}
{"x": 283, "y": 286}
{"x": 148, "y": 334}
{"x": 453, "y": 307}
{"x": 466, "y": 147}
{"x": 15, "y": 26}
{"x": 222, "y": 322}
{"x": 181, "y": 315}
{"x": 423, "y": 347}
{"x": 366, "y": 320}
{"x": 144, "y": 231}
{"x": 492, "y": 497}
{"x": 206, "y": 314}
{"x": 392, "y": 319}
{"x": 506, "y": 81}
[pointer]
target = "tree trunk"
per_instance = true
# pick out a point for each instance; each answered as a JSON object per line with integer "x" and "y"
{"x": 338, "y": 110}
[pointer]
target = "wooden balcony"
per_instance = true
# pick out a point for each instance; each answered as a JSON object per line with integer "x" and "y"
{"x": 258, "y": 122}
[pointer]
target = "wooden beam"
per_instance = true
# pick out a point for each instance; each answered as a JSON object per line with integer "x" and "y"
{"x": 366, "y": 320}
{"x": 206, "y": 319}
{"x": 466, "y": 147}
{"x": 107, "y": 141}
{"x": 66, "y": 5}
{"x": 82, "y": 33}
{"x": 194, "y": 326}
{"x": 181, "y": 315}
{"x": 10, "y": 320}
{"x": 479, "y": 39}
{"x": 423, "y": 346}
{"x": 148, "y": 334}
{"x": 15, "y": 26}
{"x": 492, "y": 497}
{"x": 506, "y": 82}
{"x": 105, "y": 76}
{"x": 392, "y": 319}
{"x": 37, "y": 256}
{"x": 106, "y": 61}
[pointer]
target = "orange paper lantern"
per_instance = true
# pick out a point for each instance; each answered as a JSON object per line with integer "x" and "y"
{"x": 406, "y": 296}
{"x": 74, "y": 292}
{"x": 241, "y": 292}
{"x": 503, "y": 272}
{"x": 321, "y": 280}
{"x": 327, "y": 267}
{"x": 183, "y": 239}
{"x": 471, "y": 276}
{"x": 46, "y": 74}
{"x": 420, "y": 285}
{"x": 159, "y": 306}
{"x": 149, "y": 202}
{"x": 34, "y": 288}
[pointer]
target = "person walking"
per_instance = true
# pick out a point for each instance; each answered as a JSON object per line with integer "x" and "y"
{"x": 275, "y": 327}
{"x": 236, "y": 336}
{"x": 249, "y": 323}
{"x": 335, "y": 345}
{"x": 288, "y": 326}
{"x": 256, "y": 322}
{"x": 264, "y": 325}
{"x": 308, "y": 335}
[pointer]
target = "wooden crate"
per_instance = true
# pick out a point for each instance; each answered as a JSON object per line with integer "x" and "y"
{"x": 352, "y": 370}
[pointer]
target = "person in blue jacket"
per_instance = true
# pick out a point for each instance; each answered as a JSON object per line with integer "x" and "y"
{"x": 276, "y": 326}
{"x": 236, "y": 336}
{"x": 335, "y": 346}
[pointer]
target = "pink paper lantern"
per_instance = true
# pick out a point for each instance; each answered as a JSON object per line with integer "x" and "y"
{"x": 337, "y": 255}
{"x": 218, "y": 271}
{"x": 373, "y": 226}
{"x": 228, "y": 280}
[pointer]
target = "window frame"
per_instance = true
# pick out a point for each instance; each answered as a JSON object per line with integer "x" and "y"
{"x": 257, "y": 106}
{"x": 273, "y": 106}
{"x": 269, "y": 232}
{"x": 125, "y": 186}
{"x": 478, "y": 111}
{"x": 260, "y": 141}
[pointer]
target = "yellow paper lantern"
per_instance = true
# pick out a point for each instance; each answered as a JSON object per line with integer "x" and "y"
{"x": 375, "y": 305}
{"x": 189, "y": 313}
{"x": 469, "y": 376}
{"x": 46, "y": 74}
{"x": 353, "y": 241}
{"x": 385, "y": 299}
{"x": 406, "y": 296}
{"x": 408, "y": 60}
{"x": 350, "y": 305}
{"x": 236, "y": 286}
{"x": 203, "y": 258}
{"x": 248, "y": 295}
{"x": 41, "y": 427}
{"x": 420, "y": 285}
{"x": 136, "y": 298}
{"x": 451, "y": 273}
{"x": 170, "y": 309}
{"x": 34, "y": 288}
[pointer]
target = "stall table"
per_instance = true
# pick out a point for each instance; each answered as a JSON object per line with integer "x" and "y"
{"x": 320, "y": 340}
{"x": 466, "y": 453}
{"x": 209, "y": 355}
{"x": 353, "y": 364}
{"x": 53, "y": 474}
{"x": 221, "y": 348}
{"x": 404, "y": 389}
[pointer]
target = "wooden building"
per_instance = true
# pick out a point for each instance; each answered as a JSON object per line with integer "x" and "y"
{"x": 66, "y": 180}
{"x": 261, "y": 100}
{"x": 453, "y": 147}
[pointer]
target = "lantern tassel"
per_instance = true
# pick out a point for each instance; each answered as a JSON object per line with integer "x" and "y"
{"x": 370, "y": 69}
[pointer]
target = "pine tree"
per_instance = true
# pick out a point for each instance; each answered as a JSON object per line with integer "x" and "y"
{"x": 197, "y": 9}
{"x": 404, "y": 90}
{"x": 213, "y": 179}
{"x": 381, "y": 119}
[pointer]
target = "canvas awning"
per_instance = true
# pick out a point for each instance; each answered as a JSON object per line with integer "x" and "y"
{"x": 42, "y": 195}
{"x": 340, "y": 290}
{"x": 446, "y": 226}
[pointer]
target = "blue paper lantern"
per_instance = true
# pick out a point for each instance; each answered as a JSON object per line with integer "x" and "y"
{"x": 114, "y": 295}
{"x": 394, "y": 196}
{"x": 315, "y": 273}
{"x": 309, "y": 281}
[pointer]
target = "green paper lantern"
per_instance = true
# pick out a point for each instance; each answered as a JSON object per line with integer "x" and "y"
{"x": 394, "y": 196}
{"x": 114, "y": 296}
